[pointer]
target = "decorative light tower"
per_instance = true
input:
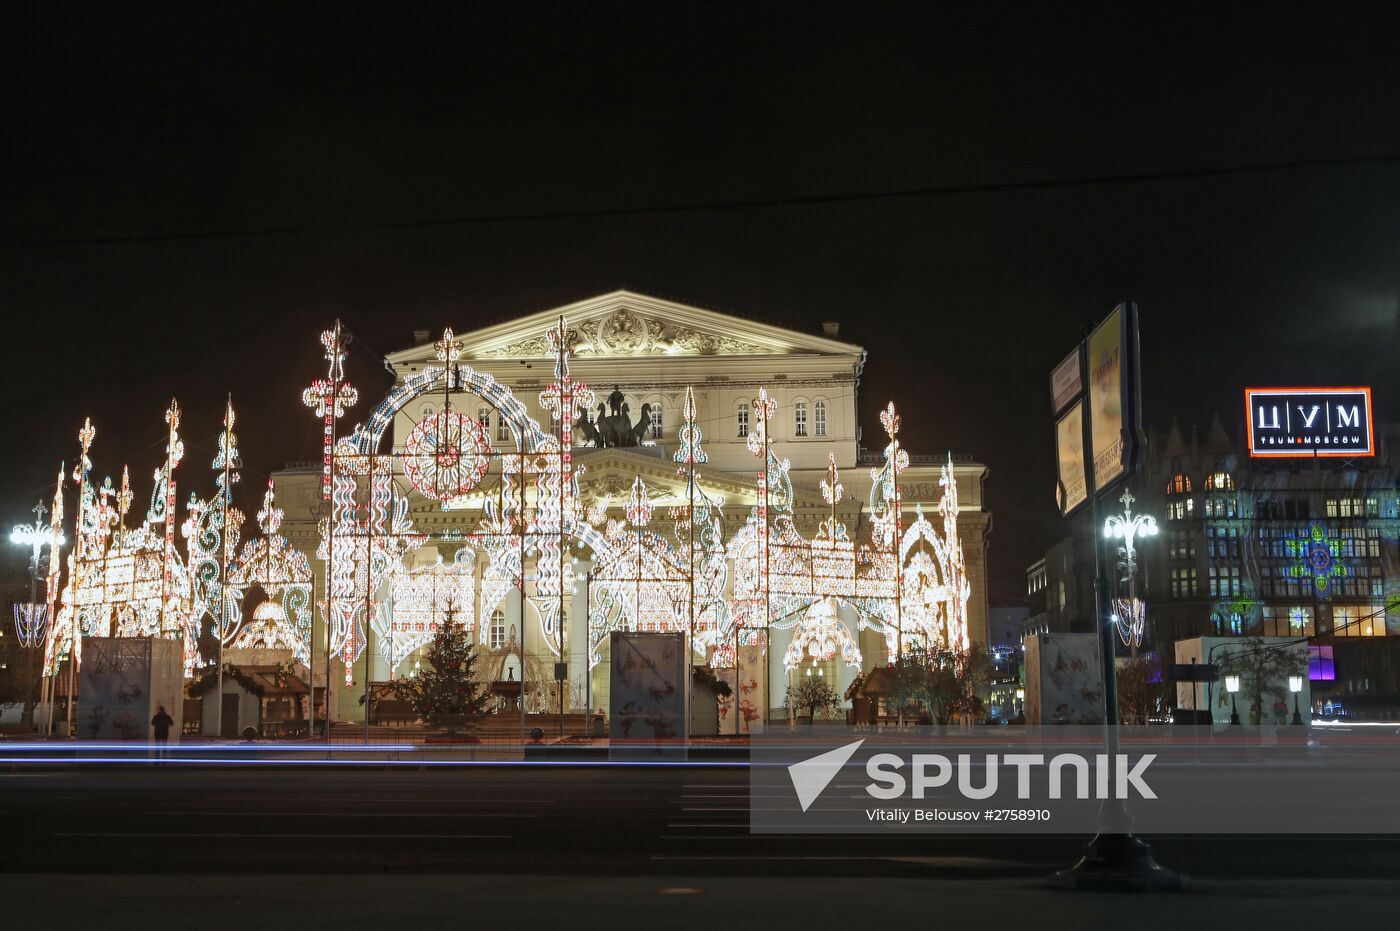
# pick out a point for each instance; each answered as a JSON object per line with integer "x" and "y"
{"x": 328, "y": 398}
{"x": 1129, "y": 614}
{"x": 31, "y": 618}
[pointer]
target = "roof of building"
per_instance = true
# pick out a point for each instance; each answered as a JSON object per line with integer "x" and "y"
{"x": 264, "y": 681}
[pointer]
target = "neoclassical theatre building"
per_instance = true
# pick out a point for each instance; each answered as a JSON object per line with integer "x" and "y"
{"x": 649, "y": 466}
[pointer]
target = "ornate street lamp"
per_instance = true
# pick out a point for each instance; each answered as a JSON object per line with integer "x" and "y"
{"x": 1232, "y": 685}
{"x": 1129, "y": 614}
{"x": 1295, "y": 685}
{"x": 31, "y": 619}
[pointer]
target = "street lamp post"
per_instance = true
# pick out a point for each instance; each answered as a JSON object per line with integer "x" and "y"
{"x": 1295, "y": 685}
{"x": 1232, "y": 685}
{"x": 36, "y": 536}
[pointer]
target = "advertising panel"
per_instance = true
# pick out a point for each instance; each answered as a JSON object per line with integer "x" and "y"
{"x": 647, "y": 687}
{"x": 1308, "y": 422}
{"x": 1065, "y": 383}
{"x": 1069, "y": 457}
{"x": 1106, "y": 394}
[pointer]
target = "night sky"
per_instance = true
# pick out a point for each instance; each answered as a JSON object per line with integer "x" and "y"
{"x": 190, "y": 196}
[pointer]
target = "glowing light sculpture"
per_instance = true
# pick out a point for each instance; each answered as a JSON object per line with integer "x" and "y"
{"x": 698, "y": 528}
{"x": 283, "y": 574}
{"x": 330, "y": 397}
{"x": 212, "y": 531}
{"x": 419, "y": 600}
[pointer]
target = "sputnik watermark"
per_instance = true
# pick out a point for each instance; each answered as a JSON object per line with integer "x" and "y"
{"x": 934, "y": 771}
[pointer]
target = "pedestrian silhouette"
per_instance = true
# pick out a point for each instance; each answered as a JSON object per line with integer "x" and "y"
{"x": 160, "y": 726}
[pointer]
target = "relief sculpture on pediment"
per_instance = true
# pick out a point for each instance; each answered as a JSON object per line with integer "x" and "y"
{"x": 625, "y": 332}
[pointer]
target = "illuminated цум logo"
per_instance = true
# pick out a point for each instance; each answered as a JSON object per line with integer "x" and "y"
{"x": 1309, "y": 422}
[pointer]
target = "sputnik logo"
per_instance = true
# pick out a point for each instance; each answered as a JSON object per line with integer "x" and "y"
{"x": 811, "y": 776}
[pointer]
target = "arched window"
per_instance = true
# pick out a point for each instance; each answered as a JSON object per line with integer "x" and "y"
{"x": 819, "y": 418}
{"x": 502, "y": 429}
{"x": 498, "y": 629}
{"x": 1179, "y": 484}
{"x": 1220, "y": 481}
{"x": 743, "y": 420}
{"x": 655, "y": 421}
{"x": 799, "y": 419}
{"x": 427, "y": 411}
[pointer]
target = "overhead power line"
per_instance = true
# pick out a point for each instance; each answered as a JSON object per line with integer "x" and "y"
{"x": 721, "y": 206}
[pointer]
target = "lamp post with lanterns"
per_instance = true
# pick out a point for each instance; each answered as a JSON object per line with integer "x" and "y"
{"x": 31, "y": 619}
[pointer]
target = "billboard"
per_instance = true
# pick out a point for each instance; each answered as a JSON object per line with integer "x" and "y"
{"x": 123, "y": 680}
{"x": 647, "y": 685}
{"x": 1105, "y": 347}
{"x": 1309, "y": 422}
{"x": 1069, "y": 459}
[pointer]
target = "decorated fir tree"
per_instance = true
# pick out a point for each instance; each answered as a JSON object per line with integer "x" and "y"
{"x": 446, "y": 685}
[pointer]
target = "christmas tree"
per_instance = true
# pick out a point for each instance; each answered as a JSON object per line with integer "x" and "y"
{"x": 446, "y": 685}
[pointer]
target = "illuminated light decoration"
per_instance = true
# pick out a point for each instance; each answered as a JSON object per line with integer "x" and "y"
{"x": 1130, "y": 620}
{"x": 698, "y": 529}
{"x": 446, "y": 455}
{"x": 1317, "y": 557}
{"x": 419, "y": 599}
{"x": 64, "y": 635}
{"x": 640, "y": 581}
{"x": 212, "y": 531}
{"x": 819, "y": 636}
{"x": 1129, "y": 614}
{"x": 283, "y": 574}
{"x": 31, "y": 623}
{"x": 330, "y": 397}
{"x": 361, "y": 546}
{"x": 125, "y": 582}
{"x": 55, "y": 563}
{"x": 752, "y": 608}
{"x": 558, "y": 511}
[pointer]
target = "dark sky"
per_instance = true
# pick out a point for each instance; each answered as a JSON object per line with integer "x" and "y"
{"x": 139, "y": 143}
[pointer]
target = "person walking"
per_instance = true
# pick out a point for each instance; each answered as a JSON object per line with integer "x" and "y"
{"x": 160, "y": 728}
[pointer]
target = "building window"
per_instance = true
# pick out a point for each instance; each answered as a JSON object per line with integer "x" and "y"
{"x": 502, "y": 429}
{"x": 498, "y": 629}
{"x": 1358, "y": 621}
{"x": 427, "y": 411}
{"x": 799, "y": 419}
{"x": 819, "y": 418}
{"x": 1219, "y": 481}
{"x": 1224, "y": 581}
{"x": 1287, "y": 621}
{"x": 1179, "y": 484}
{"x": 483, "y": 417}
{"x": 743, "y": 420}
{"x": 655, "y": 414}
{"x": 1322, "y": 666}
{"x": 1183, "y": 582}
{"x": 1227, "y": 623}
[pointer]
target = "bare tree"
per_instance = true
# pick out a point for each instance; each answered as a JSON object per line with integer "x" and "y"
{"x": 1263, "y": 669}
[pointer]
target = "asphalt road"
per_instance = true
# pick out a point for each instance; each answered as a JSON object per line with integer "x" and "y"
{"x": 561, "y": 821}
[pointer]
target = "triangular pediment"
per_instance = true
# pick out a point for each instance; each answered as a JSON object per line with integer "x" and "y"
{"x": 624, "y": 324}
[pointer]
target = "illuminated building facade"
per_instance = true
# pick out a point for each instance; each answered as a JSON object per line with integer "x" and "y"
{"x": 1267, "y": 547}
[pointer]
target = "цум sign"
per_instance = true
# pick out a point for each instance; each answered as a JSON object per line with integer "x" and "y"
{"x": 1309, "y": 422}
